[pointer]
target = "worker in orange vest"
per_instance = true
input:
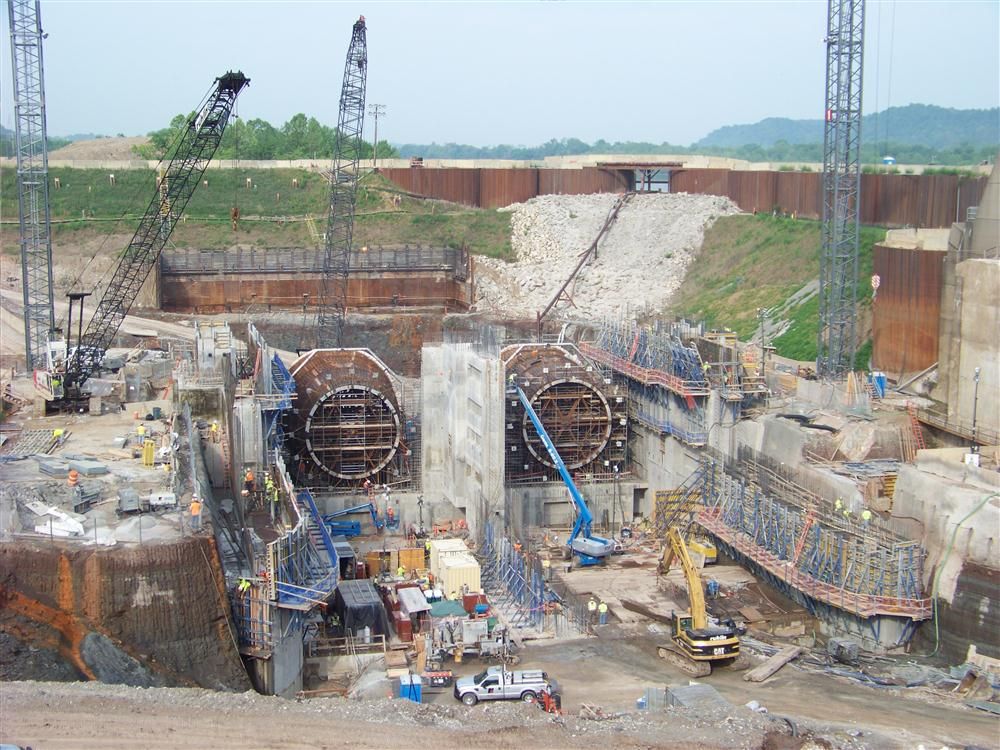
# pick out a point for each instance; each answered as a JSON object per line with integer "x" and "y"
{"x": 195, "y": 513}
{"x": 248, "y": 483}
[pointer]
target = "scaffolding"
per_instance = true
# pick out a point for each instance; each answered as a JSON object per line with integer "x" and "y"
{"x": 815, "y": 547}
{"x": 517, "y": 584}
{"x": 302, "y": 566}
{"x": 667, "y": 381}
{"x": 585, "y": 414}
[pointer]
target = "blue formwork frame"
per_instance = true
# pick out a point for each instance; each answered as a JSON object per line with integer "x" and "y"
{"x": 514, "y": 581}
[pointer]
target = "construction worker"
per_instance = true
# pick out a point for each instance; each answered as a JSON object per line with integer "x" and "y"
{"x": 248, "y": 483}
{"x": 602, "y": 612}
{"x": 140, "y": 430}
{"x": 400, "y": 572}
{"x": 195, "y": 513}
{"x": 244, "y": 586}
{"x": 866, "y": 516}
{"x": 215, "y": 430}
{"x": 591, "y": 609}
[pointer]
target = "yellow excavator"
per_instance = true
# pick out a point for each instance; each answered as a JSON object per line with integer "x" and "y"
{"x": 695, "y": 645}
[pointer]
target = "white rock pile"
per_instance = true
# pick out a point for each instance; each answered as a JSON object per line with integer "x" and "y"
{"x": 640, "y": 262}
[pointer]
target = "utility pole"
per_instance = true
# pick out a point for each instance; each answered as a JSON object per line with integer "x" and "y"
{"x": 376, "y": 111}
{"x": 975, "y": 403}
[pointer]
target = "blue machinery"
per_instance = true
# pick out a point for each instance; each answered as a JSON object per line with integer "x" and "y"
{"x": 351, "y": 528}
{"x": 590, "y": 549}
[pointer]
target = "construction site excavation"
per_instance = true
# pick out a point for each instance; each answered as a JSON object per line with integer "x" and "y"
{"x": 352, "y": 488}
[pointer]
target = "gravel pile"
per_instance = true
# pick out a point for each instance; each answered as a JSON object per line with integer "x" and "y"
{"x": 640, "y": 262}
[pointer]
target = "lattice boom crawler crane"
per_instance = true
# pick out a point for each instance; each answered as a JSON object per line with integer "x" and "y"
{"x": 67, "y": 369}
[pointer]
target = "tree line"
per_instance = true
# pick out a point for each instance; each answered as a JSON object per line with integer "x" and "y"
{"x": 871, "y": 153}
{"x": 300, "y": 138}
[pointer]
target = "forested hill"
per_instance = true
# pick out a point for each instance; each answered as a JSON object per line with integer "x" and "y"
{"x": 914, "y": 124}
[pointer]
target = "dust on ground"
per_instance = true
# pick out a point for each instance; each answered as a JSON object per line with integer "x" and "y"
{"x": 101, "y": 149}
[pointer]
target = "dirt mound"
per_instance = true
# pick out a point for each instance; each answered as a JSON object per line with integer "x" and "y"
{"x": 101, "y": 149}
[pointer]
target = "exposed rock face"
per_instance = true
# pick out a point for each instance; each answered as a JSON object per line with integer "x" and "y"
{"x": 143, "y": 616}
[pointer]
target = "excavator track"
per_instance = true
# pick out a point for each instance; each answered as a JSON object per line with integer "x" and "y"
{"x": 670, "y": 653}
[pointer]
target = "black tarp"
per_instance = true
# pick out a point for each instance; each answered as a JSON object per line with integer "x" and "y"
{"x": 359, "y": 606}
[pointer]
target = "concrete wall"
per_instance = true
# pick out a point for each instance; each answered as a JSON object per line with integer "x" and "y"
{"x": 978, "y": 285}
{"x": 550, "y": 506}
{"x": 933, "y": 502}
{"x": 986, "y": 227}
{"x": 462, "y": 430}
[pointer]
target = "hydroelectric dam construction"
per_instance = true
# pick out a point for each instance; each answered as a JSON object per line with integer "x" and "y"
{"x": 341, "y": 487}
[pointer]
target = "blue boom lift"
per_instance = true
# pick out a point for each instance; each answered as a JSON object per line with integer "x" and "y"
{"x": 589, "y": 549}
{"x": 351, "y": 528}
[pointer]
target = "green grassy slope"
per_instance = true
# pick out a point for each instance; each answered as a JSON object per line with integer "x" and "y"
{"x": 273, "y": 212}
{"x": 749, "y": 262}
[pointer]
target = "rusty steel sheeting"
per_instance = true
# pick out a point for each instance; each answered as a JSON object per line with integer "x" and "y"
{"x": 886, "y": 199}
{"x": 584, "y": 414}
{"x": 907, "y": 309}
{"x": 585, "y": 181}
{"x": 495, "y": 188}
{"x": 455, "y": 185}
{"x": 228, "y": 293}
{"x": 503, "y": 187}
{"x": 348, "y": 422}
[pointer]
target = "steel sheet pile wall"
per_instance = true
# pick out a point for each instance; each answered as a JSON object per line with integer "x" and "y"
{"x": 584, "y": 181}
{"x": 907, "y": 309}
{"x": 886, "y": 199}
{"x": 502, "y": 187}
{"x": 496, "y": 188}
{"x": 410, "y": 276}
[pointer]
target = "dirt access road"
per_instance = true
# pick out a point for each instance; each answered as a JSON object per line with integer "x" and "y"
{"x": 610, "y": 672}
{"x": 613, "y": 671}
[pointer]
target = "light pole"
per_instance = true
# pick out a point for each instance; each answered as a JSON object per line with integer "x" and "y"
{"x": 376, "y": 111}
{"x": 975, "y": 403}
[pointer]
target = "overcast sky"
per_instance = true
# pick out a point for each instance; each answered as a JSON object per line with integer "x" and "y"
{"x": 512, "y": 72}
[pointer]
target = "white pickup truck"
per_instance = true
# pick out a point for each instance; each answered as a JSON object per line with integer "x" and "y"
{"x": 496, "y": 683}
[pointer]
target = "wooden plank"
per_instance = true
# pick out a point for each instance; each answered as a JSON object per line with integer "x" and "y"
{"x": 772, "y": 665}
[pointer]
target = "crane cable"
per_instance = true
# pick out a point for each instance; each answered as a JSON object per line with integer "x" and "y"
{"x": 235, "y": 212}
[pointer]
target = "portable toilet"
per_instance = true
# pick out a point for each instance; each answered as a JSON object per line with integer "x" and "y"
{"x": 410, "y": 687}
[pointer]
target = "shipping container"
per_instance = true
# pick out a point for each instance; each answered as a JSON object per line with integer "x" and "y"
{"x": 412, "y": 558}
{"x": 458, "y": 571}
{"x": 443, "y": 548}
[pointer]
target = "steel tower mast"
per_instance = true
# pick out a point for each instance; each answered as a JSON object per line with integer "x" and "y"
{"x": 841, "y": 188}
{"x": 32, "y": 177}
{"x": 343, "y": 193}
